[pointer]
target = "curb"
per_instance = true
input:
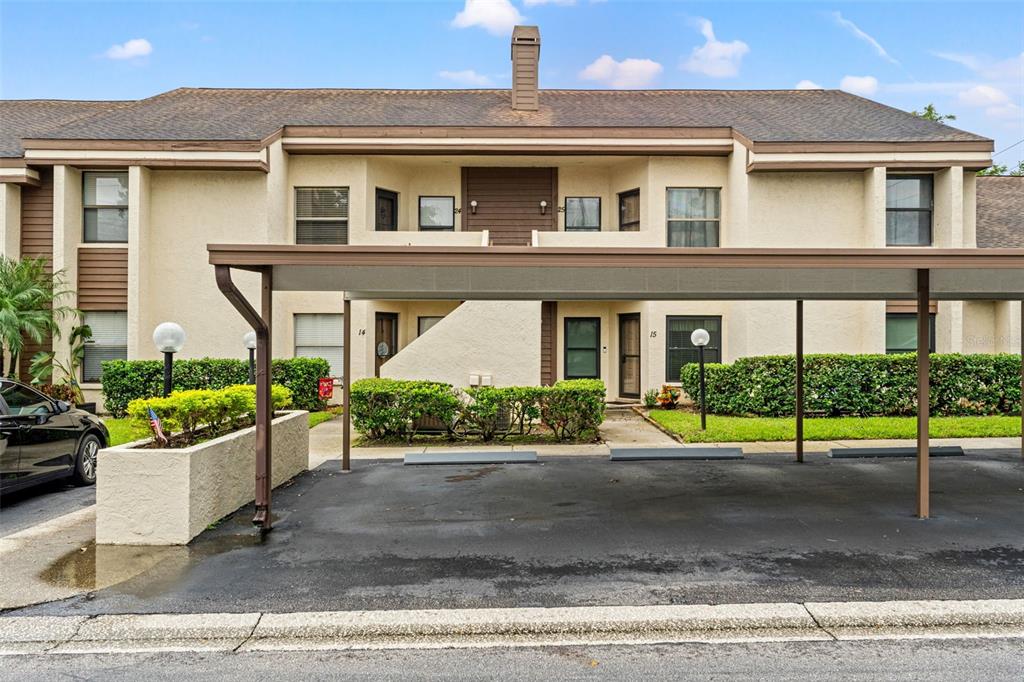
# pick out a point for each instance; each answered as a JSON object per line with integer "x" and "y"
{"x": 511, "y": 627}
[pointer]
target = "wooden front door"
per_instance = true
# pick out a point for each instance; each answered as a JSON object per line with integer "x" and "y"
{"x": 385, "y": 339}
{"x": 387, "y": 210}
{"x": 508, "y": 202}
{"x": 629, "y": 355}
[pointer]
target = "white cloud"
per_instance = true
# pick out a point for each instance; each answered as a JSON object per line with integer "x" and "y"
{"x": 807, "y": 85}
{"x": 861, "y": 35}
{"x": 715, "y": 58}
{"x": 467, "y": 77}
{"x": 629, "y": 73}
{"x": 130, "y": 49}
{"x": 495, "y": 16}
{"x": 1011, "y": 69}
{"x": 983, "y": 96}
{"x": 859, "y": 85}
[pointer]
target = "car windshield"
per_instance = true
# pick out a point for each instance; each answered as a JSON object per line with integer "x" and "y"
{"x": 23, "y": 400}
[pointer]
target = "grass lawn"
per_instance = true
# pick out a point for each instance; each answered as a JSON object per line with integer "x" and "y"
{"x": 745, "y": 429}
{"x": 125, "y": 430}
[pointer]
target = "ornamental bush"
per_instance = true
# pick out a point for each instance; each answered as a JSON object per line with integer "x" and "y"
{"x": 211, "y": 412}
{"x": 860, "y": 385}
{"x": 126, "y": 380}
{"x": 387, "y": 408}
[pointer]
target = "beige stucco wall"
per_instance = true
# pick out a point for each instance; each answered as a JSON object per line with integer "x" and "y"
{"x": 10, "y": 220}
{"x": 167, "y": 497}
{"x": 806, "y": 210}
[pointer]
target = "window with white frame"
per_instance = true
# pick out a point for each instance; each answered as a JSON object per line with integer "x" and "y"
{"x": 109, "y": 341}
{"x": 693, "y": 214}
{"x": 321, "y": 335}
{"x": 105, "y": 207}
{"x": 321, "y": 215}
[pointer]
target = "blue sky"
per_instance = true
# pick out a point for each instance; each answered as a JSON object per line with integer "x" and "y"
{"x": 967, "y": 58}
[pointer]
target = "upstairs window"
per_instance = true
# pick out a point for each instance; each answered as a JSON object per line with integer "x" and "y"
{"x": 321, "y": 335}
{"x": 583, "y": 214}
{"x": 693, "y": 216}
{"x": 105, "y": 201}
{"x": 437, "y": 213}
{"x": 425, "y": 322}
{"x": 387, "y": 210}
{"x": 908, "y": 210}
{"x": 321, "y": 215}
{"x": 109, "y": 341}
{"x": 629, "y": 211}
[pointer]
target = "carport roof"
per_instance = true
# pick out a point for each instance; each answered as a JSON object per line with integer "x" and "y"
{"x": 649, "y": 273}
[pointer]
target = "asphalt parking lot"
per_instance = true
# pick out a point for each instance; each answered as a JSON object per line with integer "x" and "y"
{"x": 586, "y": 531}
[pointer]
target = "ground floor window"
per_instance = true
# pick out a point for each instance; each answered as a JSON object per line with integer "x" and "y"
{"x": 582, "y": 348}
{"x": 678, "y": 349}
{"x": 901, "y": 333}
{"x": 109, "y": 341}
{"x": 321, "y": 335}
{"x": 425, "y": 322}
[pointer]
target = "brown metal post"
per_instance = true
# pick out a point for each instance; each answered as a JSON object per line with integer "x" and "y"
{"x": 800, "y": 381}
{"x": 1022, "y": 379}
{"x": 923, "y": 407}
{"x": 346, "y": 424}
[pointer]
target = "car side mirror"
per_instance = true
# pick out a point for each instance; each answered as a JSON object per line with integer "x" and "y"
{"x": 63, "y": 406}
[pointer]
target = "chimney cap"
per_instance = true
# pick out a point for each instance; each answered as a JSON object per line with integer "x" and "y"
{"x": 526, "y": 34}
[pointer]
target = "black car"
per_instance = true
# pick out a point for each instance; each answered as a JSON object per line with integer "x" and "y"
{"x": 42, "y": 439}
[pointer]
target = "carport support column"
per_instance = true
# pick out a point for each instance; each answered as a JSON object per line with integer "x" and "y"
{"x": 923, "y": 399}
{"x": 800, "y": 381}
{"x": 264, "y": 406}
{"x": 1022, "y": 378}
{"x": 346, "y": 378}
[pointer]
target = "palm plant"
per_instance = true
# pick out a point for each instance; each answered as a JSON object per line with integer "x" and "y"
{"x": 44, "y": 363}
{"x": 29, "y": 306}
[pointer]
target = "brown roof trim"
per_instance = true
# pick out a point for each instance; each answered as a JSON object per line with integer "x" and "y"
{"x": 148, "y": 145}
{"x": 809, "y": 147}
{"x": 172, "y": 164}
{"x": 757, "y": 166}
{"x": 561, "y": 150}
{"x": 486, "y": 132}
{"x": 261, "y": 255}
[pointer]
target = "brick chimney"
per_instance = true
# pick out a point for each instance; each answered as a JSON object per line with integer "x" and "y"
{"x": 525, "y": 61}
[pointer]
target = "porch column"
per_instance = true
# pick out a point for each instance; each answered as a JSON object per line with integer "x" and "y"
{"x": 800, "y": 381}
{"x": 346, "y": 372}
{"x": 922, "y": 394}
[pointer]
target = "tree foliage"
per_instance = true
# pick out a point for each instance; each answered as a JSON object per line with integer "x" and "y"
{"x": 31, "y": 306}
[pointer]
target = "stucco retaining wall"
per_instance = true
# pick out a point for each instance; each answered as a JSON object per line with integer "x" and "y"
{"x": 167, "y": 497}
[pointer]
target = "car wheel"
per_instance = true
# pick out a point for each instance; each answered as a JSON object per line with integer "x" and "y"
{"x": 85, "y": 461}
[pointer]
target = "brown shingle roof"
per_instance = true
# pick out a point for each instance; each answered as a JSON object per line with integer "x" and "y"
{"x": 21, "y": 119}
{"x": 1000, "y": 212}
{"x": 761, "y": 115}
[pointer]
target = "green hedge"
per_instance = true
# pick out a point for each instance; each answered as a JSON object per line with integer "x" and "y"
{"x": 860, "y": 385}
{"x": 126, "y": 380}
{"x": 387, "y": 408}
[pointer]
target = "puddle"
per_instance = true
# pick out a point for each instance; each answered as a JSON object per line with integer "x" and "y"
{"x": 474, "y": 475}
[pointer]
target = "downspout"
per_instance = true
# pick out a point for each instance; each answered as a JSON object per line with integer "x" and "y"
{"x": 261, "y": 325}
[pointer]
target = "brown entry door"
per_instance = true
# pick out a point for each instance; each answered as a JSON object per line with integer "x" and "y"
{"x": 508, "y": 202}
{"x": 629, "y": 355}
{"x": 387, "y": 210}
{"x": 385, "y": 339}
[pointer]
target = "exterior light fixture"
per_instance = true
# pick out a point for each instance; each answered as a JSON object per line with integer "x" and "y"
{"x": 472, "y": 206}
{"x": 169, "y": 338}
{"x": 249, "y": 340}
{"x": 543, "y": 207}
{"x": 701, "y": 338}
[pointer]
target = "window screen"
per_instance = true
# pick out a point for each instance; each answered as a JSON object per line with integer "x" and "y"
{"x": 693, "y": 216}
{"x": 105, "y": 204}
{"x": 109, "y": 341}
{"x": 678, "y": 349}
{"x": 321, "y": 335}
{"x": 582, "y": 214}
{"x": 908, "y": 210}
{"x": 901, "y": 333}
{"x": 321, "y": 215}
{"x": 582, "y": 348}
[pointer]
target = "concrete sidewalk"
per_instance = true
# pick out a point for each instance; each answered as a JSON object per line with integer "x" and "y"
{"x": 507, "y": 627}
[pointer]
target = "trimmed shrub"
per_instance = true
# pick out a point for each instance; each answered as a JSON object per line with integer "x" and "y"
{"x": 212, "y": 412}
{"x": 126, "y": 380}
{"x": 860, "y": 385}
{"x": 573, "y": 409}
{"x": 498, "y": 412}
{"x": 383, "y": 408}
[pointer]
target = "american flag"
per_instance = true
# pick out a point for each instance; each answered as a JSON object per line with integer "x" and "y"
{"x": 154, "y": 424}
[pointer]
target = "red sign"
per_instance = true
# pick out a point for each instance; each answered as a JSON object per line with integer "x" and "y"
{"x": 326, "y": 387}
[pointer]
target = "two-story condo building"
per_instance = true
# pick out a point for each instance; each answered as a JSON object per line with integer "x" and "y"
{"x": 125, "y": 196}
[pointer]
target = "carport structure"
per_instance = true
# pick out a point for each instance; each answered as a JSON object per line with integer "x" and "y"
{"x": 567, "y": 274}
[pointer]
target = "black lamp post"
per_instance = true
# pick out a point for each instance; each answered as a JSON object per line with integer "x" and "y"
{"x": 169, "y": 338}
{"x": 701, "y": 338}
{"x": 250, "y": 343}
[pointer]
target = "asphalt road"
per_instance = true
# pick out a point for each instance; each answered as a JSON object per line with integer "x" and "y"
{"x": 983, "y": 660}
{"x": 586, "y": 531}
{"x": 26, "y": 508}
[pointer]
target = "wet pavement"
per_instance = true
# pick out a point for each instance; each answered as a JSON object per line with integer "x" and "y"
{"x": 26, "y": 508}
{"x": 585, "y": 531}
